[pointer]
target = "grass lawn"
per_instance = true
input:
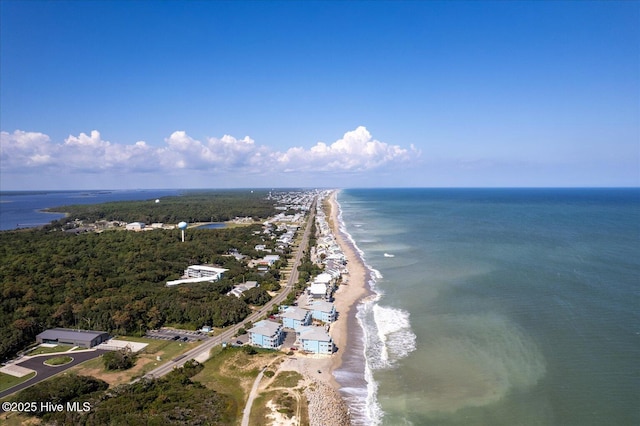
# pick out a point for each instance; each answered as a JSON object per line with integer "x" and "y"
{"x": 44, "y": 350}
{"x": 147, "y": 360}
{"x": 7, "y": 380}
{"x": 59, "y": 360}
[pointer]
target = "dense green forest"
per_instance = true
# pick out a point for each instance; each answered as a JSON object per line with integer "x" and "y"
{"x": 218, "y": 206}
{"x": 115, "y": 281}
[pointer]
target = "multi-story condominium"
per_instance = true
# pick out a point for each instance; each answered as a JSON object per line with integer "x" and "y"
{"x": 266, "y": 334}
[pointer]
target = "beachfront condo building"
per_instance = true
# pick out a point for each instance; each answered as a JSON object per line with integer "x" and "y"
{"x": 294, "y": 317}
{"x": 315, "y": 340}
{"x": 266, "y": 334}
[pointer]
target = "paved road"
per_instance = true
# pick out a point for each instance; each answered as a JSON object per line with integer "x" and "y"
{"x": 226, "y": 336}
{"x": 44, "y": 371}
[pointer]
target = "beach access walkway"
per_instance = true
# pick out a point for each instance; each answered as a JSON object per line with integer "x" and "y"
{"x": 252, "y": 395}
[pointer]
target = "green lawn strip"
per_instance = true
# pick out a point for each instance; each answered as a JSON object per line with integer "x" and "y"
{"x": 7, "y": 380}
{"x": 44, "y": 350}
{"x": 171, "y": 348}
{"x": 59, "y": 360}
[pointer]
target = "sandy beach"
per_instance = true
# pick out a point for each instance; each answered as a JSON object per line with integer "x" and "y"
{"x": 326, "y": 406}
{"x": 353, "y": 289}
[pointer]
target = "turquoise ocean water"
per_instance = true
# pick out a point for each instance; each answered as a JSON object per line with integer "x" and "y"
{"x": 495, "y": 307}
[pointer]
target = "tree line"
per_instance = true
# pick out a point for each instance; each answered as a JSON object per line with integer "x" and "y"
{"x": 115, "y": 281}
{"x": 218, "y": 206}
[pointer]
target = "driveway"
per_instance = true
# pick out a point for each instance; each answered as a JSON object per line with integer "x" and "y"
{"x": 44, "y": 371}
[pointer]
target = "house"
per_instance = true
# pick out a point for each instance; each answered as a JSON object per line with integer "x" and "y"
{"x": 294, "y": 317}
{"x": 323, "y": 278}
{"x": 66, "y": 336}
{"x": 315, "y": 340}
{"x": 270, "y": 259}
{"x": 318, "y": 290}
{"x": 266, "y": 334}
{"x": 241, "y": 288}
{"x": 322, "y": 311}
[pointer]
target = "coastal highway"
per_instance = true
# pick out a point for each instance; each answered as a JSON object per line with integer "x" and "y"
{"x": 203, "y": 350}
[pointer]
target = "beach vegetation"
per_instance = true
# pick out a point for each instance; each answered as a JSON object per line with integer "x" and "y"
{"x": 287, "y": 379}
{"x": 232, "y": 371}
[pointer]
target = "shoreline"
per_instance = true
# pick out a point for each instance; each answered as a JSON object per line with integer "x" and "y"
{"x": 348, "y": 294}
{"x": 327, "y": 403}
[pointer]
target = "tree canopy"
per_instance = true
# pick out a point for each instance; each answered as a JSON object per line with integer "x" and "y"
{"x": 203, "y": 206}
{"x": 115, "y": 280}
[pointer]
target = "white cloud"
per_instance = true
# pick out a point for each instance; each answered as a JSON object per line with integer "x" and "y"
{"x": 356, "y": 151}
{"x": 24, "y": 149}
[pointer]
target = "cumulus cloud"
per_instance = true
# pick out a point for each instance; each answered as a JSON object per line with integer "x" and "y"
{"x": 25, "y": 149}
{"x": 356, "y": 151}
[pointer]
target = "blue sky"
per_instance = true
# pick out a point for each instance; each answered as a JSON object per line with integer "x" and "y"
{"x": 159, "y": 94}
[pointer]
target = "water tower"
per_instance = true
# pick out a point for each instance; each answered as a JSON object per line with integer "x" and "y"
{"x": 182, "y": 226}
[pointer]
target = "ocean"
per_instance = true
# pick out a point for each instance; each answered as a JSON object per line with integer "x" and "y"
{"x": 495, "y": 307}
{"x": 22, "y": 209}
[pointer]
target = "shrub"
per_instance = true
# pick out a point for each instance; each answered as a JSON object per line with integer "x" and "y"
{"x": 122, "y": 359}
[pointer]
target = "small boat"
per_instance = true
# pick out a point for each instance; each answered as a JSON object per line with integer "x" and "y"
{"x": 389, "y": 255}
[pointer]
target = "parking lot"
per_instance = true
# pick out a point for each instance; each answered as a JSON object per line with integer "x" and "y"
{"x": 177, "y": 335}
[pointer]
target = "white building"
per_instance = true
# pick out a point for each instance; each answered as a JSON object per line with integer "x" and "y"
{"x": 199, "y": 274}
{"x": 241, "y": 288}
{"x": 270, "y": 259}
{"x": 318, "y": 290}
{"x": 323, "y": 278}
{"x": 200, "y": 271}
{"x": 135, "y": 226}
